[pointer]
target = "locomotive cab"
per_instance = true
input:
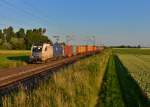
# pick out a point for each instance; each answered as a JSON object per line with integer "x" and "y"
{"x": 41, "y": 52}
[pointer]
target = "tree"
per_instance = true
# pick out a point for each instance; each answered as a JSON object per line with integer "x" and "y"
{"x": 8, "y": 33}
{"x": 139, "y": 46}
{"x": 1, "y": 37}
{"x": 17, "y": 43}
{"x": 44, "y": 30}
{"x": 21, "y": 39}
{"x": 1, "y": 34}
{"x": 20, "y": 33}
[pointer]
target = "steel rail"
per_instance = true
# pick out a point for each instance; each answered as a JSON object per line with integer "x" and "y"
{"x": 22, "y": 75}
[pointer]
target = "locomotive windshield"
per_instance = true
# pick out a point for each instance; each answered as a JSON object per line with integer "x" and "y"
{"x": 37, "y": 48}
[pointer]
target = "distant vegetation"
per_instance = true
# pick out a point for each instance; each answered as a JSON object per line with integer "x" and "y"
{"x": 126, "y": 46}
{"x": 22, "y": 39}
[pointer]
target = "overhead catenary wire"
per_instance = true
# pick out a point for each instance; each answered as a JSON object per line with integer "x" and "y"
{"x": 25, "y": 11}
{"x": 19, "y": 25}
{"x": 35, "y": 8}
{"x": 6, "y": 25}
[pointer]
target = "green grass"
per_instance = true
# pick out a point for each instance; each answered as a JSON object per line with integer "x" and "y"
{"x": 10, "y": 59}
{"x": 75, "y": 86}
{"x": 111, "y": 95}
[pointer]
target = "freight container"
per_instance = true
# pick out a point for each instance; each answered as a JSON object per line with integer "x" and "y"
{"x": 89, "y": 49}
{"x": 74, "y": 49}
{"x": 68, "y": 50}
{"x": 83, "y": 49}
{"x": 94, "y": 48}
{"x": 57, "y": 50}
{"x": 80, "y": 49}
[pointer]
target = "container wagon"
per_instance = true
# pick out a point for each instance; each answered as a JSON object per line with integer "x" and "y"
{"x": 68, "y": 50}
{"x": 74, "y": 47}
{"x": 57, "y": 50}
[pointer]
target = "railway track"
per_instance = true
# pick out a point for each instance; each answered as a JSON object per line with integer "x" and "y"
{"x": 9, "y": 77}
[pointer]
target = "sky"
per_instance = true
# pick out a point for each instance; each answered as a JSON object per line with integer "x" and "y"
{"x": 112, "y": 22}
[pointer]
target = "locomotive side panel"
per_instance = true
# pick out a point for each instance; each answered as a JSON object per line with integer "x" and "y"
{"x": 47, "y": 52}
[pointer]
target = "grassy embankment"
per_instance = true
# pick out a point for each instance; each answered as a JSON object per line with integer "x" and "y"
{"x": 111, "y": 94}
{"x": 75, "y": 86}
{"x": 11, "y": 59}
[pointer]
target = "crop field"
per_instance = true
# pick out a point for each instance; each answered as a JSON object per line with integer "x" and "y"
{"x": 10, "y": 59}
{"x": 133, "y": 51}
{"x": 137, "y": 64}
{"x": 139, "y": 68}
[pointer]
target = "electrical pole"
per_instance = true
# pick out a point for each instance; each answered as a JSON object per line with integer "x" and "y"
{"x": 93, "y": 40}
{"x": 68, "y": 39}
{"x": 57, "y": 37}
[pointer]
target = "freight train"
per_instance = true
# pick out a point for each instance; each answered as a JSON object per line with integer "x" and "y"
{"x": 44, "y": 52}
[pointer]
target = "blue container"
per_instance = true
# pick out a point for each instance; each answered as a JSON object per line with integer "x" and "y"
{"x": 57, "y": 50}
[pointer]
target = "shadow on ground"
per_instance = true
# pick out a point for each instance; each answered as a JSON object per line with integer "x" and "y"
{"x": 19, "y": 58}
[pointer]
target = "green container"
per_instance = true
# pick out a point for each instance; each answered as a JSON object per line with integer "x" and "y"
{"x": 74, "y": 49}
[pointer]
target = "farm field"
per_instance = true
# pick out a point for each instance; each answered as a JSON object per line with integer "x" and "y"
{"x": 139, "y": 68}
{"x": 78, "y": 85}
{"x": 119, "y": 89}
{"x": 11, "y": 59}
{"x": 133, "y": 51}
{"x": 137, "y": 63}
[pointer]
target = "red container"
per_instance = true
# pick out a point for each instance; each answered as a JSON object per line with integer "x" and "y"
{"x": 95, "y": 49}
{"x": 68, "y": 50}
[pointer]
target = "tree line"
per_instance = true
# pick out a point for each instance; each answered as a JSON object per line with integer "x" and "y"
{"x": 126, "y": 46}
{"x": 21, "y": 39}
